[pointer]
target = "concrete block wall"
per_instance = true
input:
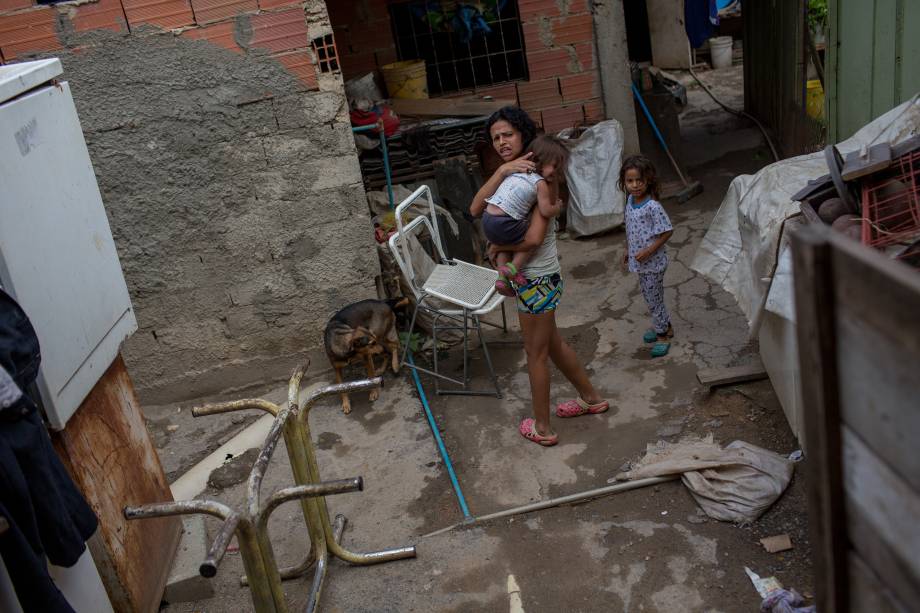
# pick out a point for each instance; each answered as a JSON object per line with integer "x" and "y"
{"x": 228, "y": 170}
{"x": 563, "y": 87}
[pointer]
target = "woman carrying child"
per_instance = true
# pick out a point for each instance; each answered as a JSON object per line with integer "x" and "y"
{"x": 539, "y": 286}
{"x": 648, "y": 228}
{"x": 519, "y": 197}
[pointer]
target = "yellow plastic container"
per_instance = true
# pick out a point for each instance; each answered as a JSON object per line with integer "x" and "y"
{"x": 814, "y": 99}
{"x": 406, "y": 79}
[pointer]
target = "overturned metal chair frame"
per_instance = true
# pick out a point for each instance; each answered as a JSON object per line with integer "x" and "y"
{"x": 251, "y": 524}
{"x": 468, "y": 288}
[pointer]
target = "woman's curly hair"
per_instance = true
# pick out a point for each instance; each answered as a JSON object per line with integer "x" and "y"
{"x": 518, "y": 119}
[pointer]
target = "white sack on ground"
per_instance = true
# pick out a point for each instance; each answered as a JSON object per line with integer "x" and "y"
{"x": 739, "y": 250}
{"x": 736, "y": 483}
{"x": 595, "y": 203}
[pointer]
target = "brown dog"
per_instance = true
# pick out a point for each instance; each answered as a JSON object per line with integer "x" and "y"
{"x": 359, "y": 332}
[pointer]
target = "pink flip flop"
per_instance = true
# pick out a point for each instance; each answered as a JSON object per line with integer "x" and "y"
{"x": 528, "y": 430}
{"x": 577, "y": 407}
{"x": 504, "y": 288}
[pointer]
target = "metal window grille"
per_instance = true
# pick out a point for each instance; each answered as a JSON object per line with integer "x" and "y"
{"x": 326, "y": 54}
{"x": 455, "y": 64}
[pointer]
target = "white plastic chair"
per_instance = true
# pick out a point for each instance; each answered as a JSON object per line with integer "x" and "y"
{"x": 468, "y": 288}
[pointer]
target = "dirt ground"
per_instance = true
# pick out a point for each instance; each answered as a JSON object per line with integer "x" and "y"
{"x": 645, "y": 550}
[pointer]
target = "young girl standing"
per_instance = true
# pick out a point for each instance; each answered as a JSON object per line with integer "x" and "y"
{"x": 647, "y": 230}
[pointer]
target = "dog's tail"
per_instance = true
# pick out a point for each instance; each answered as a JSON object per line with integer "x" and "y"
{"x": 397, "y": 304}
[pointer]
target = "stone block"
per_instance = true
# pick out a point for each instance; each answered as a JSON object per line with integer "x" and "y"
{"x": 185, "y": 583}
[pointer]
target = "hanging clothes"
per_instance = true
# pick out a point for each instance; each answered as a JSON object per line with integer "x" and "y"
{"x": 47, "y": 516}
{"x": 700, "y": 19}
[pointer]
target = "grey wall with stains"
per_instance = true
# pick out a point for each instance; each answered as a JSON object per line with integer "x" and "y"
{"x": 235, "y": 198}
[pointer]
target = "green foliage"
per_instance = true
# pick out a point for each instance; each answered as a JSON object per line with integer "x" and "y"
{"x": 817, "y": 15}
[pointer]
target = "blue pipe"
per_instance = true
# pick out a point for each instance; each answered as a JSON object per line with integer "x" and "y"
{"x": 437, "y": 437}
{"x": 386, "y": 154}
{"x": 649, "y": 116}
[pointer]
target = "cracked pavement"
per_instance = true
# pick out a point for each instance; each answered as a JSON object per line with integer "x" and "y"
{"x": 644, "y": 550}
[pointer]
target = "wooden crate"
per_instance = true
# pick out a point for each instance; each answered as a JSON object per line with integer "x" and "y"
{"x": 858, "y": 321}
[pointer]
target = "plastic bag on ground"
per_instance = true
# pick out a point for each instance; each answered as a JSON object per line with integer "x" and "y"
{"x": 595, "y": 203}
{"x": 736, "y": 483}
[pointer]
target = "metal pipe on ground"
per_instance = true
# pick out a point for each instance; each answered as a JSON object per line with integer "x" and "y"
{"x": 554, "y": 502}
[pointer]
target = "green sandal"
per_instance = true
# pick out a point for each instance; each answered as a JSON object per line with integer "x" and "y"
{"x": 651, "y": 336}
{"x": 660, "y": 349}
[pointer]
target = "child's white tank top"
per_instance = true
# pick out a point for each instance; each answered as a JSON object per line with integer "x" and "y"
{"x": 517, "y": 194}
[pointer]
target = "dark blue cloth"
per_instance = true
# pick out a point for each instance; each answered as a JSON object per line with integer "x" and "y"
{"x": 503, "y": 229}
{"x": 47, "y": 515}
{"x": 700, "y": 19}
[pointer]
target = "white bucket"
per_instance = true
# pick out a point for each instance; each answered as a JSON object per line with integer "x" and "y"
{"x": 720, "y": 49}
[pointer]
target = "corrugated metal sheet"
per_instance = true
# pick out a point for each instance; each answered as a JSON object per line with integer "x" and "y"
{"x": 774, "y": 73}
{"x": 872, "y": 60}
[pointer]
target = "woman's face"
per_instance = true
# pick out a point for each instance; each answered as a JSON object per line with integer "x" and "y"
{"x": 506, "y": 139}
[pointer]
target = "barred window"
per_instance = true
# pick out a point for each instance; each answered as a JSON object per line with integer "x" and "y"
{"x": 463, "y": 48}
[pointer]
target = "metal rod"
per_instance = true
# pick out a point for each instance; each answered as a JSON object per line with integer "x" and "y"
{"x": 485, "y": 351}
{"x": 236, "y": 405}
{"x": 261, "y": 464}
{"x": 316, "y": 589}
{"x": 260, "y": 588}
{"x": 179, "y": 507}
{"x": 327, "y": 488}
{"x": 302, "y": 422}
{"x": 208, "y": 568}
{"x": 553, "y": 502}
{"x": 441, "y": 448}
{"x": 386, "y": 165}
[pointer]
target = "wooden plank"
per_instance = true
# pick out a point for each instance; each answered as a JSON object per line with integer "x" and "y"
{"x": 817, "y": 357}
{"x": 867, "y": 590}
{"x": 886, "y": 502}
{"x": 868, "y": 545}
{"x": 860, "y": 163}
{"x": 109, "y": 453}
{"x": 448, "y": 107}
{"x": 714, "y": 377}
{"x": 879, "y": 338}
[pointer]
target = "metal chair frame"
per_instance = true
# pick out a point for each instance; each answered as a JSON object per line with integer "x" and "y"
{"x": 466, "y": 286}
{"x": 250, "y": 524}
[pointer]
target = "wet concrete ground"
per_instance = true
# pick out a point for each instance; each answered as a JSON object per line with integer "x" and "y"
{"x": 644, "y": 550}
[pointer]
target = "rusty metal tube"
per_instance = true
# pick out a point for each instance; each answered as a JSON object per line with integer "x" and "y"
{"x": 294, "y": 384}
{"x": 208, "y": 568}
{"x": 257, "y": 474}
{"x": 236, "y": 405}
{"x": 307, "y": 455}
{"x": 260, "y": 583}
{"x": 326, "y": 488}
{"x": 260, "y": 588}
{"x": 322, "y": 564}
{"x": 179, "y": 507}
{"x": 295, "y": 493}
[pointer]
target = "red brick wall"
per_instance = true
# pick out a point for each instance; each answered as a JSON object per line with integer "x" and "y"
{"x": 363, "y": 35}
{"x": 277, "y": 26}
{"x": 563, "y": 87}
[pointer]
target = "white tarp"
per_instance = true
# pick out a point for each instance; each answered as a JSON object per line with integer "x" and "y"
{"x": 736, "y": 483}
{"x": 595, "y": 203}
{"x": 741, "y": 247}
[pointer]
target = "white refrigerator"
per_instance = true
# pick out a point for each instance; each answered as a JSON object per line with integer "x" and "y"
{"x": 58, "y": 260}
